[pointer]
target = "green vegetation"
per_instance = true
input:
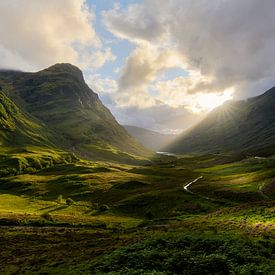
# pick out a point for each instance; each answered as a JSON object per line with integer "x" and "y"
{"x": 246, "y": 180}
{"x": 78, "y": 195}
{"x": 30, "y": 160}
{"x": 124, "y": 219}
{"x": 17, "y": 128}
{"x": 182, "y": 254}
{"x": 55, "y": 108}
{"x": 246, "y": 126}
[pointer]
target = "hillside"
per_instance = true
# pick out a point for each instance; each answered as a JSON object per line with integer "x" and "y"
{"x": 18, "y": 129}
{"x": 68, "y": 112}
{"x": 247, "y": 125}
{"x": 150, "y": 139}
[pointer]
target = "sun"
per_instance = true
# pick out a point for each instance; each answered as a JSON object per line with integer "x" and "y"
{"x": 208, "y": 102}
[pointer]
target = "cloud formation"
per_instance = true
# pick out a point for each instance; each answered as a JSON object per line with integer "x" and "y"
{"x": 160, "y": 117}
{"x": 144, "y": 63}
{"x": 225, "y": 48}
{"x": 230, "y": 43}
{"x": 36, "y": 33}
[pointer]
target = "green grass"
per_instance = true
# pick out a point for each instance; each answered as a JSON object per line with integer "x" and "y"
{"x": 246, "y": 180}
{"x": 106, "y": 217}
{"x": 30, "y": 159}
{"x": 188, "y": 254}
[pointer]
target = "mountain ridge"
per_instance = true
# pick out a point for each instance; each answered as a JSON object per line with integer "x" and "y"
{"x": 60, "y": 100}
{"x": 245, "y": 125}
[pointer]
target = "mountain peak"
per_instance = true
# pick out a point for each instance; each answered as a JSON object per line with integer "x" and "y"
{"x": 69, "y": 112}
{"x": 65, "y": 68}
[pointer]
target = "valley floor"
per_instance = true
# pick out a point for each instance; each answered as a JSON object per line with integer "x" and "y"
{"x": 210, "y": 214}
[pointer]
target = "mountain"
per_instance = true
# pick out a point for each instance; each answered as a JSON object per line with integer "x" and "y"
{"x": 17, "y": 129}
{"x": 58, "y": 105}
{"x": 150, "y": 139}
{"x": 247, "y": 126}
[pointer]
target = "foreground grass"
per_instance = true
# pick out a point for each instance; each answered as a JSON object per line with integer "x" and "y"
{"x": 188, "y": 254}
{"x": 141, "y": 250}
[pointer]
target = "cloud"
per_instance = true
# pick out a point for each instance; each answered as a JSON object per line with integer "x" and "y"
{"x": 101, "y": 85}
{"x": 142, "y": 111}
{"x": 36, "y": 34}
{"x": 100, "y": 57}
{"x": 144, "y": 63}
{"x": 139, "y": 73}
{"x": 226, "y": 46}
{"x": 230, "y": 43}
{"x": 160, "y": 117}
{"x": 126, "y": 25}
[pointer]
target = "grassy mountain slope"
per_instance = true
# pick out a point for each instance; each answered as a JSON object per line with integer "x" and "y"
{"x": 17, "y": 128}
{"x": 247, "y": 125}
{"x": 150, "y": 139}
{"x": 60, "y": 100}
{"x": 26, "y": 145}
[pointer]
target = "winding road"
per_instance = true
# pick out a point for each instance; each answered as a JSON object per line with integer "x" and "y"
{"x": 186, "y": 186}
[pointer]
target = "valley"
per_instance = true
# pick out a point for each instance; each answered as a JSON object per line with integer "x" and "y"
{"x": 137, "y": 137}
{"x": 83, "y": 216}
{"x": 80, "y": 195}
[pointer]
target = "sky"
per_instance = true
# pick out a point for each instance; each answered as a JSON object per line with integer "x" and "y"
{"x": 158, "y": 64}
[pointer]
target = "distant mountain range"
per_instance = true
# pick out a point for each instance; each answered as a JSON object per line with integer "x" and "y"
{"x": 150, "y": 139}
{"x": 246, "y": 126}
{"x": 55, "y": 108}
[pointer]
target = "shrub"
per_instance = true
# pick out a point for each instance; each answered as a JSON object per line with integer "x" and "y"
{"x": 69, "y": 201}
{"x": 149, "y": 215}
{"x": 60, "y": 199}
{"x": 181, "y": 254}
{"x": 30, "y": 170}
{"x": 7, "y": 172}
{"x": 103, "y": 208}
{"x": 47, "y": 217}
{"x": 36, "y": 163}
{"x": 22, "y": 163}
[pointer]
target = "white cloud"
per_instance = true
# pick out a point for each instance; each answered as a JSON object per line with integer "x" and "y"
{"x": 100, "y": 57}
{"x": 144, "y": 63}
{"x": 230, "y": 43}
{"x": 143, "y": 110}
{"x": 128, "y": 26}
{"x": 102, "y": 85}
{"x": 36, "y": 33}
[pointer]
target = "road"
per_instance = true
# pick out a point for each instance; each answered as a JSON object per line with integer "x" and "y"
{"x": 186, "y": 186}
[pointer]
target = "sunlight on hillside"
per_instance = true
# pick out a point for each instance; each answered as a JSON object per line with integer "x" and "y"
{"x": 209, "y": 101}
